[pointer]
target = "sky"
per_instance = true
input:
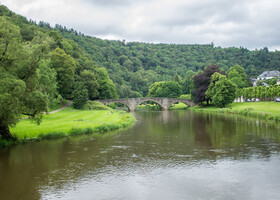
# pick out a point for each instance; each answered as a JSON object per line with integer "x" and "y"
{"x": 252, "y": 24}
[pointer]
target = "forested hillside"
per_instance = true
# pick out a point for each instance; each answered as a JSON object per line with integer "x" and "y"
{"x": 134, "y": 66}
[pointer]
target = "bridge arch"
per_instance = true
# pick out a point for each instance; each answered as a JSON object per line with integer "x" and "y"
{"x": 132, "y": 103}
{"x": 187, "y": 102}
{"x": 123, "y": 103}
{"x": 151, "y": 100}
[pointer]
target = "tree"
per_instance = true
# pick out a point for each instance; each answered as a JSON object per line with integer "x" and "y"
{"x": 20, "y": 92}
{"x": 80, "y": 95}
{"x": 238, "y": 76}
{"x": 65, "y": 67}
{"x": 47, "y": 82}
{"x": 107, "y": 89}
{"x": 221, "y": 91}
{"x": 202, "y": 81}
{"x": 89, "y": 78}
{"x": 188, "y": 84}
{"x": 170, "y": 89}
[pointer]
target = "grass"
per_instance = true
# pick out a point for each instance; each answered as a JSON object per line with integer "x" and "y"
{"x": 263, "y": 110}
{"x": 179, "y": 106}
{"x": 155, "y": 107}
{"x": 272, "y": 108}
{"x": 69, "y": 121}
{"x": 152, "y": 107}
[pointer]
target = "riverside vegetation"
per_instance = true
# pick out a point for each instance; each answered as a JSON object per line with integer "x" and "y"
{"x": 41, "y": 64}
{"x": 94, "y": 118}
{"x": 262, "y": 110}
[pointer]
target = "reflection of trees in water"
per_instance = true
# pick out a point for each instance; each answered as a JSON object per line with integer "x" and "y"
{"x": 31, "y": 167}
{"x": 158, "y": 138}
{"x": 241, "y": 137}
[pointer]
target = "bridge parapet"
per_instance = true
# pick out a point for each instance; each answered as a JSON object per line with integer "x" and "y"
{"x": 132, "y": 103}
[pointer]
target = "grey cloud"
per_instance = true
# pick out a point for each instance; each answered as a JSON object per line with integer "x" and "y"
{"x": 113, "y": 3}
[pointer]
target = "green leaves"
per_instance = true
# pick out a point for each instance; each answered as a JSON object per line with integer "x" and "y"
{"x": 65, "y": 67}
{"x": 169, "y": 89}
{"x": 221, "y": 91}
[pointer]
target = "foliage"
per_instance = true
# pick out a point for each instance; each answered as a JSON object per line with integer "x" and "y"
{"x": 134, "y": 66}
{"x": 38, "y": 65}
{"x": 20, "y": 91}
{"x": 202, "y": 81}
{"x": 65, "y": 67}
{"x": 95, "y": 105}
{"x": 107, "y": 89}
{"x": 80, "y": 95}
{"x": 272, "y": 81}
{"x": 188, "y": 84}
{"x": 90, "y": 80}
{"x": 261, "y": 110}
{"x": 263, "y": 93}
{"x": 238, "y": 76}
{"x": 221, "y": 91}
{"x": 169, "y": 89}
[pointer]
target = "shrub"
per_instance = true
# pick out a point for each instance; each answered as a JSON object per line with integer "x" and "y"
{"x": 51, "y": 135}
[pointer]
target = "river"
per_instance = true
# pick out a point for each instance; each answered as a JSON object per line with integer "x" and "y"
{"x": 165, "y": 155}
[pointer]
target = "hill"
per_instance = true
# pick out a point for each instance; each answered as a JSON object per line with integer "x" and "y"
{"x": 134, "y": 66}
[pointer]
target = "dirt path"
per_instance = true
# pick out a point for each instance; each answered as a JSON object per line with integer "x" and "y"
{"x": 69, "y": 103}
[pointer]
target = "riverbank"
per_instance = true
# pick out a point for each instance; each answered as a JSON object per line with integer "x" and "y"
{"x": 70, "y": 121}
{"x": 262, "y": 110}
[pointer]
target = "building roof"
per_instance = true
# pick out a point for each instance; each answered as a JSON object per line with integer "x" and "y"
{"x": 269, "y": 74}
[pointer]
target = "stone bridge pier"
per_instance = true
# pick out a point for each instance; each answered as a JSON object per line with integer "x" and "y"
{"x": 132, "y": 103}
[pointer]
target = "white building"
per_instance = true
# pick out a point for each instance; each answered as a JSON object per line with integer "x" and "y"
{"x": 268, "y": 75}
{"x": 278, "y": 82}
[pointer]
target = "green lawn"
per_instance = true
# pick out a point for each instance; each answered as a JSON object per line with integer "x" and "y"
{"x": 70, "y": 118}
{"x": 263, "y": 110}
{"x": 272, "y": 108}
{"x": 179, "y": 106}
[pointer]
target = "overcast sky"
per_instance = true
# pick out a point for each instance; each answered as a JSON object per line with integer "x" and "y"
{"x": 248, "y": 23}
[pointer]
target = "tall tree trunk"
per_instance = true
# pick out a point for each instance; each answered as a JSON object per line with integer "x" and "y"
{"x": 5, "y": 132}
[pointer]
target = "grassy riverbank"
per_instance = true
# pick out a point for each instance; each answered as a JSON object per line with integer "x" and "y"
{"x": 263, "y": 110}
{"x": 73, "y": 122}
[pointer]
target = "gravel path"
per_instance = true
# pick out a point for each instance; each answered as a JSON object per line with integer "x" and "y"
{"x": 69, "y": 103}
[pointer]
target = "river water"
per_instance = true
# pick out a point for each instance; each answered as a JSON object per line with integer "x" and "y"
{"x": 166, "y": 155}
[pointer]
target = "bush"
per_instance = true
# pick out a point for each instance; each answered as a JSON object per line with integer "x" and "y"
{"x": 51, "y": 135}
{"x": 95, "y": 105}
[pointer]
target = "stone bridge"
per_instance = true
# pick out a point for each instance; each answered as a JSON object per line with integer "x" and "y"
{"x": 132, "y": 103}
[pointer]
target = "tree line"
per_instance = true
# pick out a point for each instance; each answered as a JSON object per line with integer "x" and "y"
{"x": 134, "y": 66}
{"x": 39, "y": 68}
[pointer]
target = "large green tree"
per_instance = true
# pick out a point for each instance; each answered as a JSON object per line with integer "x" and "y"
{"x": 107, "y": 88}
{"x": 65, "y": 66}
{"x": 202, "y": 82}
{"x": 221, "y": 91}
{"x": 20, "y": 92}
{"x": 89, "y": 78}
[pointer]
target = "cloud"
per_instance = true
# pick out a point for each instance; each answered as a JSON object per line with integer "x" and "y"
{"x": 248, "y": 23}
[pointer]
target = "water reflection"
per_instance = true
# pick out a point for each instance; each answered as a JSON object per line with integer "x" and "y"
{"x": 166, "y": 155}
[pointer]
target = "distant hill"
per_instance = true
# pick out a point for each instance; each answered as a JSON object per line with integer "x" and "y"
{"x": 133, "y": 66}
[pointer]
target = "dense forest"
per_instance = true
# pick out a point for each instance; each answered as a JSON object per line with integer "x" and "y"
{"x": 134, "y": 66}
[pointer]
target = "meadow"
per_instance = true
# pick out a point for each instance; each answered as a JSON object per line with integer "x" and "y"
{"x": 73, "y": 122}
{"x": 263, "y": 110}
